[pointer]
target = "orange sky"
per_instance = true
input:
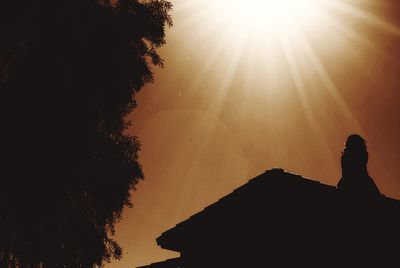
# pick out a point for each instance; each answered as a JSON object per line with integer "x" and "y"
{"x": 229, "y": 105}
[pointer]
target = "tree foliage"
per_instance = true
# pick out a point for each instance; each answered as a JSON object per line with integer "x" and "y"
{"x": 69, "y": 71}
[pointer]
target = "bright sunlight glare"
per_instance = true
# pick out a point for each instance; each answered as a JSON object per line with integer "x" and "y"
{"x": 277, "y": 51}
{"x": 276, "y": 15}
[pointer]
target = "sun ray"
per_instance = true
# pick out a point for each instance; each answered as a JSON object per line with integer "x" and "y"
{"x": 366, "y": 16}
{"x": 210, "y": 60}
{"x": 213, "y": 115}
{"x": 328, "y": 82}
{"x": 348, "y": 33}
{"x": 302, "y": 94}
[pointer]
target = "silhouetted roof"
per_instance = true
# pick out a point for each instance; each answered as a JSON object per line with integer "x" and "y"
{"x": 253, "y": 201}
{"x": 170, "y": 263}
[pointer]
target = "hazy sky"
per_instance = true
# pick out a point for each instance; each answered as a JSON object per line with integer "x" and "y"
{"x": 242, "y": 92}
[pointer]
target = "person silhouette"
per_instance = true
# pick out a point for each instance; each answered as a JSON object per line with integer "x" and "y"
{"x": 355, "y": 179}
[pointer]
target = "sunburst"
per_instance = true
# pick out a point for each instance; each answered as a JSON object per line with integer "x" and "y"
{"x": 250, "y": 36}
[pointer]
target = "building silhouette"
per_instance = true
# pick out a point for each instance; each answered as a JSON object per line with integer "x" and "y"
{"x": 279, "y": 219}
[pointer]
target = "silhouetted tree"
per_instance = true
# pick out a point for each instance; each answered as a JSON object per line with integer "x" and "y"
{"x": 69, "y": 71}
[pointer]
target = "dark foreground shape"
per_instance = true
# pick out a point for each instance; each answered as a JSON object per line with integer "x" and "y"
{"x": 171, "y": 263}
{"x": 279, "y": 219}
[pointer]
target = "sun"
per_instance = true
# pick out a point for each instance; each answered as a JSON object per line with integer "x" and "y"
{"x": 277, "y": 50}
{"x": 254, "y": 16}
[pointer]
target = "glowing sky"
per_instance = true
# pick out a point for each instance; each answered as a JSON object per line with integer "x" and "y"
{"x": 247, "y": 87}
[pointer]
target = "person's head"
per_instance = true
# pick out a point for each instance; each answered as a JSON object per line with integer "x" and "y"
{"x": 355, "y": 153}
